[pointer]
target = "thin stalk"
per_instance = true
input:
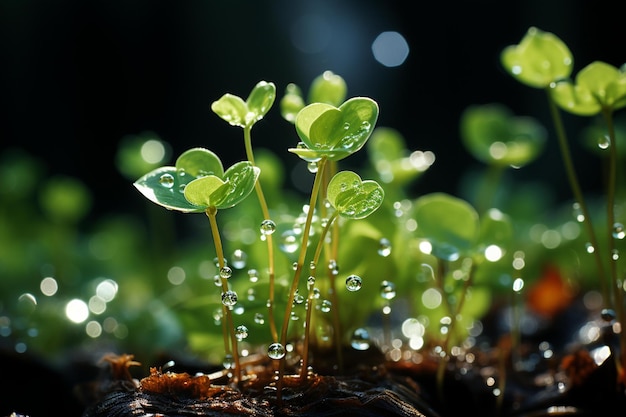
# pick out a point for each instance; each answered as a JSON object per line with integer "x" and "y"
{"x": 268, "y": 238}
{"x": 310, "y": 299}
{"x": 610, "y": 215}
{"x": 333, "y": 253}
{"x": 211, "y": 213}
{"x": 296, "y": 278}
{"x": 578, "y": 195}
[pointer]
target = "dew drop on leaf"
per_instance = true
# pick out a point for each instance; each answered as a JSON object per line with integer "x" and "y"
{"x": 353, "y": 283}
{"x": 166, "y": 180}
{"x": 276, "y": 351}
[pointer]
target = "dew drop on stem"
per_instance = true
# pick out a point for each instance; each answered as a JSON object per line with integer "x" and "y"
{"x": 276, "y": 351}
{"x": 226, "y": 272}
{"x": 353, "y": 283}
{"x": 618, "y": 231}
{"x": 229, "y": 298}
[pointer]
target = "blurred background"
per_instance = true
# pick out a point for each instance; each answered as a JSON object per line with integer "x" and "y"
{"x": 78, "y": 76}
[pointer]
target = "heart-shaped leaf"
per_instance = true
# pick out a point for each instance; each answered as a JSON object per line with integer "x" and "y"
{"x": 199, "y": 162}
{"x": 335, "y": 133}
{"x": 241, "y": 113}
{"x": 291, "y": 103}
{"x": 450, "y": 224}
{"x": 352, "y": 197}
{"x": 598, "y": 85}
{"x": 540, "y": 59}
{"x": 328, "y": 88}
{"x": 211, "y": 191}
{"x": 494, "y": 136}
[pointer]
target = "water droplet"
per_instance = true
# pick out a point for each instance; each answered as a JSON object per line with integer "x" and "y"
{"x": 268, "y": 227}
{"x": 618, "y": 231}
{"x": 608, "y": 315}
{"x": 310, "y": 282}
{"x": 346, "y": 126}
{"x": 589, "y": 248}
{"x": 298, "y": 299}
{"x": 229, "y": 362}
{"x": 384, "y": 247}
{"x": 353, "y": 283}
{"x": 259, "y": 319}
{"x": 226, "y": 272}
{"x": 604, "y": 142}
{"x": 578, "y": 212}
{"x": 276, "y": 351}
{"x": 312, "y": 167}
{"x": 229, "y": 298}
{"x": 239, "y": 259}
{"x": 167, "y": 180}
{"x": 294, "y": 266}
{"x": 325, "y": 306}
{"x": 241, "y": 332}
{"x": 253, "y": 275}
{"x": 615, "y": 254}
{"x": 387, "y": 290}
{"x": 360, "y": 339}
{"x": 289, "y": 242}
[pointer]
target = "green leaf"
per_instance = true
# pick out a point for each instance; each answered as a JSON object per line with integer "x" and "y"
{"x": 199, "y": 192}
{"x": 261, "y": 100}
{"x": 540, "y": 59}
{"x": 335, "y": 133}
{"x": 328, "y": 88}
{"x": 198, "y": 162}
{"x": 232, "y": 109}
{"x": 235, "y": 111}
{"x": 353, "y": 198}
{"x": 450, "y": 224}
{"x": 598, "y": 85}
{"x": 291, "y": 103}
{"x": 494, "y": 136}
{"x": 163, "y": 186}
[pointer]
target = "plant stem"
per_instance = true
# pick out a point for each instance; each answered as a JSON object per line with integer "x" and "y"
{"x": 296, "y": 278}
{"x": 610, "y": 215}
{"x": 268, "y": 238}
{"x": 578, "y": 195}
{"x": 310, "y": 299}
{"x": 211, "y": 213}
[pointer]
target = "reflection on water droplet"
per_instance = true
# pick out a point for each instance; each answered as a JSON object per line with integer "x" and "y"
{"x": 239, "y": 259}
{"x": 229, "y": 298}
{"x": 259, "y": 319}
{"x": 276, "y": 351}
{"x": 253, "y": 275}
{"x": 360, "y": 339}
{"x": 289, "y": 242}
{"x": 226, "y": 272}
{"x": 241, "y": 332}
{"x": 604, "y": 142}
{"x": 353, "y": 283}
{"x": 326, "y": 305}
{"x": 608, "y": 315}
{"x": 312, "y": 167}
{"x": 384, "y": 247}
{"x": 228, "y": 362}
{"x": 167, "y": 180}
{"x": 618, "y": 231}
{"x": 268, "y": 227}
{"x": 387, "y": 290}
{"x": 578, "y": 212}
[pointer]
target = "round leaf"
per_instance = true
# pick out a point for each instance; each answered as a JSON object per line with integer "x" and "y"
{"x": 198, "y": 162}
{"x": 291, "y": 103}
{"x": 333, "y": 132}
{"x": 448, "y": 223}
{"x": 353, "y": 198}
{"x": 199, "y": 192}
{"x": 494, "y": 136}
{"x": 328, "y": 88}
{"x": 539, "y": 59}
